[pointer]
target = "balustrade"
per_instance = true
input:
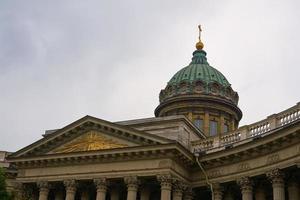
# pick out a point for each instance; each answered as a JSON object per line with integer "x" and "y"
{"x": 257, "y": 129}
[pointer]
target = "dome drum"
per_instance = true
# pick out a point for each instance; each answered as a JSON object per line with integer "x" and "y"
{"x": 199, "y": 88}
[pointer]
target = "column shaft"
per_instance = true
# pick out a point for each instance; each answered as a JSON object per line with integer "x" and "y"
{"x": 43, "y": 190}
{"x": 132, "y": 186}
{"x": 165, "y": 186}
{"x": 101, "y": 186}
{"x": 276, "y": 177}
{"x": 246, "y": 188}
{"x": 293, "y": 190}
{"x": 70, "y": 186}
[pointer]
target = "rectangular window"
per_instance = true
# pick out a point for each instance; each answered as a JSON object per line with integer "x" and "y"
{"x": 213, "y": 128}
{"x": 199, "y": 123}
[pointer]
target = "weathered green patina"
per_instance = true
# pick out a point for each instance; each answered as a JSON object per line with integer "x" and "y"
{"x": 199, "y": 70}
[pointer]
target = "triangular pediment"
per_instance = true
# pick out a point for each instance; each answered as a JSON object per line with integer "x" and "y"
{"x": 89, "y": 134}
{"x": 92, "y": 141}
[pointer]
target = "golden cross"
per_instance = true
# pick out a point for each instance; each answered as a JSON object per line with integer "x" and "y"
{"x": 200, "y": 30}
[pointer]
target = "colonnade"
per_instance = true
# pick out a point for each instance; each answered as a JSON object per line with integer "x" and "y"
{"x": 170, "y": 187}
{"x": 250, "y": 191}
{"x": 175, "y": 189}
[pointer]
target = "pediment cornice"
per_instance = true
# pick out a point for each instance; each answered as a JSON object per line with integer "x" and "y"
{"x": 83, "y": 125}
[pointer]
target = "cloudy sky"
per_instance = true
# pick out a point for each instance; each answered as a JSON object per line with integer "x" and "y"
{"x": 63, "y": 59}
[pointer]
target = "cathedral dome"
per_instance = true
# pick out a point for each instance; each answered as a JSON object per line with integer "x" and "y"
{"x": 203, "y": 95}
{"x": 199, "y": 78}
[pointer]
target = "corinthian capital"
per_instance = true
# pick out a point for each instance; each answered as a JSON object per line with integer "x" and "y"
{"x": 70, "y": 184}
{"x": 101, "y": 183}
{"x": 276, "y": 176}
{"x": 165, "y": 181}
{"x": 245, "y": 183}
{"x": 43, "y": 184}
{"x": 132, "y": 182}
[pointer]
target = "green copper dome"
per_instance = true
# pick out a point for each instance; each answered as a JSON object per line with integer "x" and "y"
{"x": 199, "y": 78}
{"x": 199, "y": 70}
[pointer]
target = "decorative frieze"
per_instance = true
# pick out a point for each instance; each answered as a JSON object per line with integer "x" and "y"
{"x": 243, "y": 167}
{"x": 273, "y": 158}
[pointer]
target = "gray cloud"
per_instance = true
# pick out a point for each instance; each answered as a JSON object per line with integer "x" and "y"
{"x": 61, "y": 60}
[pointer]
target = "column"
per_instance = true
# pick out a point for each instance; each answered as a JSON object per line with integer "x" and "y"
{"x": 132, "y": 187}
{"x": 43, "y": 190}
{"x": 166, "y": 186}
{"x": 145, "y": 193}
{"x": 188, "y": 193}
{"x": 178, "y": 188}
{"x": 293, "y": 190}
{"x": 260, "y": 193}
{"x": 217, "y": 191}
{"x": 276, "y": 178}
{"x": 70, "y": 186}
{"x": 114, "y": 193}
{"x": 246, "y": 188}
{"x": 101, "y": 187}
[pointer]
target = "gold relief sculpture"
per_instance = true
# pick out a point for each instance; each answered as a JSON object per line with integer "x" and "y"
{"x": 89, "y": 142}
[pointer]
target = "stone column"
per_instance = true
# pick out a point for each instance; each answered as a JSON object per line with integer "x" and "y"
{"x": 166, "y": 186}
{"x": 145, "y": 193}
{"x": 70, "y": 186}
{"x": 43, "y": 190}
{"x": 101, "y": 187}
{"x": 293, "y": 190}
{"x": 178, "y": 188}
{"x": 246, "y": 188}
{"x": 132, "y": 187}
{"x": 188, "y": 193}
{"x": 260, "y": 194}
{"x": 276, "y": 178}
{"x": 217, "y": 192}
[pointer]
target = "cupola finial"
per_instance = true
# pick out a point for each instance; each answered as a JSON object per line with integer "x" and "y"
{"x": 199, "y": 44}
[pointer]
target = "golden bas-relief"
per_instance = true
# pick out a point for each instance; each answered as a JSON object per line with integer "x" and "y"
{"x": 89, "y": 142}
